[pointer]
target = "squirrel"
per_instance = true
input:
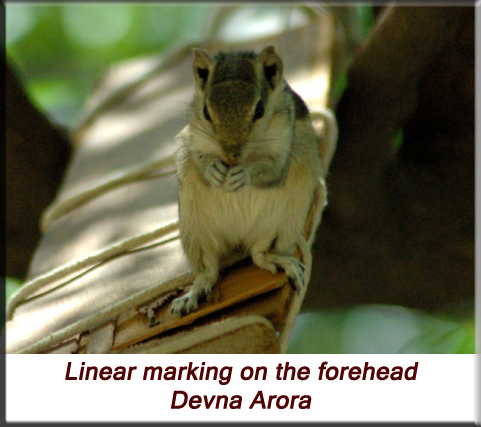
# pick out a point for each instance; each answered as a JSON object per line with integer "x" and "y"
{"x": 248, "y": 166}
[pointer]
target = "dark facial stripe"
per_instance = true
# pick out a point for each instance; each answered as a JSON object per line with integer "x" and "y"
{"x": 301, "y": 109}
{"x": 234, "y": 66}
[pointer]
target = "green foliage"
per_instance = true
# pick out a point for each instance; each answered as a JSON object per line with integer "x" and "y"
{"x": 366, "y": 19}
{"x": 11, "y": 285}
{"x": 381, "y": 329}
{"x": 61, "y": 50}
{"x": 399, "y": 140}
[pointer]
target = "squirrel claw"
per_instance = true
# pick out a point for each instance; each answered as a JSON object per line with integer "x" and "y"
{"x": 184, "y": 305}
{"x": 216, "y": 173}
{"x": 189, "y": 302}
{"x": 296, "y": 275}
{"x": 295, "y": 270}
{"x": 236, "y": 178}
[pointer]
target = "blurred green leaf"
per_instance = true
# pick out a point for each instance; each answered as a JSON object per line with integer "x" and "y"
{"x": 366, "y": 18}
{"x": 467, "y": 345}
{"x": 381, "y": 329}
{"x": 59, "y": 51}
{"x": 111, "y": 24}
{"x": 22, "y": 20}
{"x": 399, "y": 140}
{"x": 338, "y": 86}
{"x": 317, "y": 332}
{"x": 11, "y": 285}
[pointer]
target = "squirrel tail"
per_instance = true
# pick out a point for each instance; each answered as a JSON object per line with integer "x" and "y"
{"x": 328, "y": 142}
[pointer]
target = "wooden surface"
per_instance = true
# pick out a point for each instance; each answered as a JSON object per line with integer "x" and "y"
{"x": 239, "y": 285}
{"x": 233, "y": 334}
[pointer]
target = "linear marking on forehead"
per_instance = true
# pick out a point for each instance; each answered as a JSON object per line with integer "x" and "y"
{"x": 236, "y": 95}
{"x": 234, "y": 66}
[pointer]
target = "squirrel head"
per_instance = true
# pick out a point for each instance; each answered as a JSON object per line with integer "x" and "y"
{"x": 236, "y": 95}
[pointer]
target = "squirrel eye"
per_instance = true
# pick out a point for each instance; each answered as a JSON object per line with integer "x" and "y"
{"x": 259, "y": 112}
{"x": 206, "y": 113}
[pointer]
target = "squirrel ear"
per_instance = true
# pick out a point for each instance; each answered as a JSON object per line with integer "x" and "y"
{"x": 202, "y": 66}
{"x": 272, "y": 66}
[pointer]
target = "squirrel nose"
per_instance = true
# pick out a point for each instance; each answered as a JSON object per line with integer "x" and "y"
{"x": 231, "y": 154}
{"x": 229, "y": 160}
{"x": 234, "y": 157}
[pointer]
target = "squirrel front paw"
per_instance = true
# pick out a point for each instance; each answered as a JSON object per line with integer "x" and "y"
{"x": 216, "y": 173}
{"x": 236, "y": 178}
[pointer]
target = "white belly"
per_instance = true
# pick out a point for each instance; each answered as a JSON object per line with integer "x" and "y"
{"x": 228, "y": 221}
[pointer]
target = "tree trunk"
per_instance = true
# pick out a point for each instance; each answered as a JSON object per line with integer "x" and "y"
{"x": 399, "y": 228}
{"x": 36, "y": 156}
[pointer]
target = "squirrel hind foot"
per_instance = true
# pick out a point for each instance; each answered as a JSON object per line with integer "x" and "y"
{"x": 201, "y": 288}
{"x": 295, "y": 270}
